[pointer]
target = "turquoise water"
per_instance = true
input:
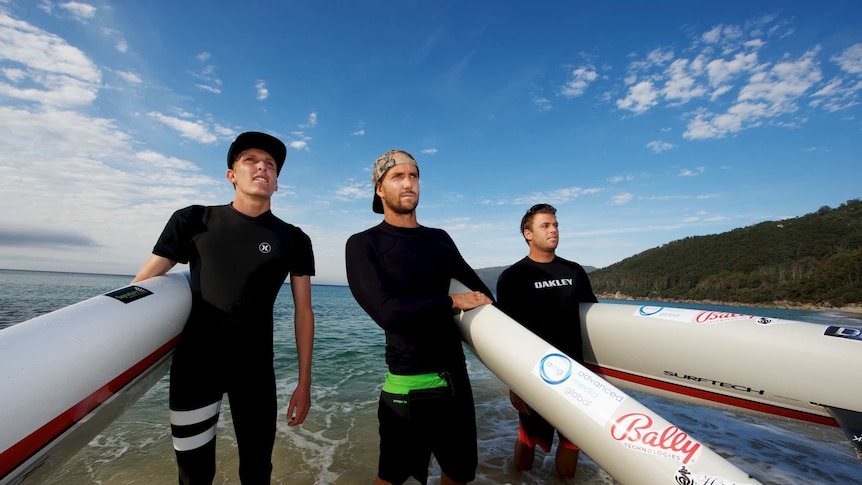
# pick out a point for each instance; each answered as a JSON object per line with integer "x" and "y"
{"x": 338, "y": 442}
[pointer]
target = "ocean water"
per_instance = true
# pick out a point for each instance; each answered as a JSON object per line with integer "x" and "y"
{"x": 338, "y": 442}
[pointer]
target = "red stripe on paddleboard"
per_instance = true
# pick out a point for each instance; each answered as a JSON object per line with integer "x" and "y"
{"x": 24, "y": 449}
{"x": 714, "y": 397}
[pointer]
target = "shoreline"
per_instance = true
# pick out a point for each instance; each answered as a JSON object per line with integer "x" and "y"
{"x": 854, "y": 309}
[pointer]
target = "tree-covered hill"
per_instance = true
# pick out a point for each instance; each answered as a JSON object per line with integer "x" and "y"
{"x": 814, "y": 259}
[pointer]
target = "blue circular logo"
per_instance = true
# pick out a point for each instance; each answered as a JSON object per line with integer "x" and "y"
{"x": 650, "y": 310}
{"x": 555, "y": 368}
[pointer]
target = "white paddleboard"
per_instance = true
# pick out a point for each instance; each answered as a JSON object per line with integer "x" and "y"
{"x": 67, "y": 374}
{"x": 745, "y": 363}
{"x": 628, "y": 440}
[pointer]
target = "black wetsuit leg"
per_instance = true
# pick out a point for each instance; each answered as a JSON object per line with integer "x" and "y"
{"x": 254, "y": 410}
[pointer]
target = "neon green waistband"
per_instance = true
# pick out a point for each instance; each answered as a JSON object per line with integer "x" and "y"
{"x": 398, "y": 384}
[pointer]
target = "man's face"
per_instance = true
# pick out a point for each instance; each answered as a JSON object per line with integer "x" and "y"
{"x": 543, "y": 233}
{"x": 399, "y": 188}
{"x": 255, "y": 173}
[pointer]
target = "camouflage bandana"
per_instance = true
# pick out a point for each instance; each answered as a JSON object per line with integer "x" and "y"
{"x": 388, "y": 160}
{"x": 381, "y": 165}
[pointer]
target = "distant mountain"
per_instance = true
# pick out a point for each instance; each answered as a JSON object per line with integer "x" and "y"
{"x": 489, "y": 276}
{"x": 814, "y": 259}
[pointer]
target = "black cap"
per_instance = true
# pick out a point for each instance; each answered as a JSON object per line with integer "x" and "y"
{"x": 261, "y": 141}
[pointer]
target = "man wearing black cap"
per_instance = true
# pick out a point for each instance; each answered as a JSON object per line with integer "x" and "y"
{"x": 399, "y": 272}
{"x": 239, "y": 256}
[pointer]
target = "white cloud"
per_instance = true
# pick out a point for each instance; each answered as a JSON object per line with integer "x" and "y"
{"x": 14, "y": 75}
{"x": 99, "y": 188}
{"x": 721, "y": 71}
{"x": 543, "y": 104}
{"x": 209, "y": 89}
{"x": 129, "y": 77}
{"x": 770, "y": 93}
{"x": 299, "y": 144}
{"x": 785, "y": 82}
{"x": 837, "y": 96}
{"x": 580, "y": 78}
{"x": 659, "y": 57}
{"x": 754, "y": 44}
{"x": 682, "y": 85}
{"x": 428, "y": 151}
{"x": 193, "y": 130}
{"x": 722, "y": 34}
{"x": 352, "y": 190}
{"x": 640, "y": 98}
{"x": 841, "y": 93}
{"x": 660, "y": 146}
{"x": 622, "y": 198}
{"x": 686, "y": 172}
{"x": 728, "y": 68}
{"x": 707, "y": 125}
{"x": 211, "y": 83}
{"x": 79, "y": 10}
{"x": 262, "y": 92}
{"x": 59, "y": 74}
{"x": 851, "y": 59}
{"x": 60, "y": 91}
{"x": 620, "y": 178}
{"x": 358, "y": 133}
{"x": 712, "y": 36}
{"x": 559, "y": 196}
{"x": 157, "y": 160}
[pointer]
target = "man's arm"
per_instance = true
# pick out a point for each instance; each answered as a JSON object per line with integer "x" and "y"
{"x": 303, "y": 322}
{"x": 154, "y": 266}
{"x": 375, "y": 295}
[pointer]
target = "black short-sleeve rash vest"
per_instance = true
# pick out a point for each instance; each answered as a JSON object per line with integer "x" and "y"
{"x": 237, "y": 263}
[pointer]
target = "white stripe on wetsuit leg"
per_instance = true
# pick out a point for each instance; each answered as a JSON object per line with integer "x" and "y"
{"x": 195, "y": 442}
{"x": 195, "y": 416}
{"x": 187, "y": 418}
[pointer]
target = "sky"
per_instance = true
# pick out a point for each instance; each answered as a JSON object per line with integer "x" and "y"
{"x": 641, "y": 122}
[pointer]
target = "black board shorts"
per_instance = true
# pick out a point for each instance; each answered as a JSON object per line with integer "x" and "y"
{"x": 414, "y": 426}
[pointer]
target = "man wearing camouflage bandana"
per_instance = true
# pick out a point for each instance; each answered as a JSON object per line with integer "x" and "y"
{"x": 399, "y": 272}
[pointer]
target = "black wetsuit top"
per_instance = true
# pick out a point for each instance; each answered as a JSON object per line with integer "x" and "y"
{"x": 238, "y": 264}
{"x": 545, "y": 298}
{"x": 400, "y": 277}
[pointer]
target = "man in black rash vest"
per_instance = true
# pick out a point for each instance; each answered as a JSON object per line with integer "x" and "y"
{"x": 543, "y": 293}
{"x": 399, "y": 272}
{"x": 239, "y": 256}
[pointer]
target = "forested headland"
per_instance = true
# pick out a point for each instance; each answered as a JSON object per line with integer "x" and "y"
{"x": 815, "y": 259}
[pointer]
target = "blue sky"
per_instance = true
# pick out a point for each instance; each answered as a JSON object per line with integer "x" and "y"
{"x": 642, "y": 122}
